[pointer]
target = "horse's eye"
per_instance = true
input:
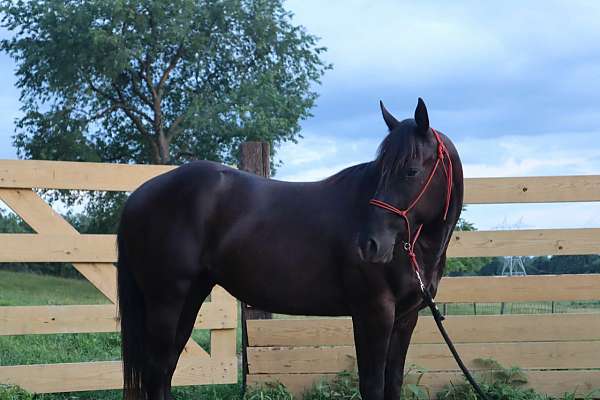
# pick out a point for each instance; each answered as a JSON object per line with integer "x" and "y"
{"x": 412, "y": 172}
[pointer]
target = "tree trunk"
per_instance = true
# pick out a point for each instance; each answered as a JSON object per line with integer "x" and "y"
{"x": 163, "y": 148}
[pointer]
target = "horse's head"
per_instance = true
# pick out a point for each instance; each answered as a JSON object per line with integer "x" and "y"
{"x": 414, "y": 170}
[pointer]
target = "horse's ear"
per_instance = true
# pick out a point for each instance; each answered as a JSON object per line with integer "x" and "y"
{"x": 421, "y": 117}
{"x": 391, "y": 122}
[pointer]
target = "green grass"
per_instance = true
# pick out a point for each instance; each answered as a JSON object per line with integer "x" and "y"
{"x": 18, "y": 289}
{"x": 26, "y": 289}
{"x": 31, "y": 289}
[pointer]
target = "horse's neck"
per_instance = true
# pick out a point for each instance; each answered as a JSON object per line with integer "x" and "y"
{"x": 357, "y": 181}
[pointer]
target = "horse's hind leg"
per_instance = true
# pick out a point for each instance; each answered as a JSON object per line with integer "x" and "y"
{"x": 394, "y": 371}
{"x": 198, "y": 292}
{"x": 162, "y": 316}
{"x": 170, "y": 284}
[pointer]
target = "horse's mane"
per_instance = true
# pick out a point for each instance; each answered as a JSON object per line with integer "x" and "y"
{"x": 347, "y": 172}
{"x": 397, "y": 148}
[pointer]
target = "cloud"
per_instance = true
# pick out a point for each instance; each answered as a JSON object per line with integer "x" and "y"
{"x": 431, "y": 40}
{"x": 318, "y": 156}
{"x": 570, "y": 153}
{"x": 485, "y": 69}
{"x": 516, "y": 85}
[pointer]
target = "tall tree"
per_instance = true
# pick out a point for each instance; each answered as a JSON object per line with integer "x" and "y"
{"x": 155, "y": 81}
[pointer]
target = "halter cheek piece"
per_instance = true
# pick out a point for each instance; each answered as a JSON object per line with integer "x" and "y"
{"x": 409, "y": 245}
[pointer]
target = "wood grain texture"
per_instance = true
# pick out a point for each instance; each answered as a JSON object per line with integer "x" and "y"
{"x": 44, "y": 220}
{"x": 27, "y": 320}
{"x": 433, "y": 357}
{"x": 530, "y": 242}
{"x": 497, "y": 289}
{"x": 72, "y": 377}
{"x": 554, "y": 383}
{"x": 462, "y": 329}
{"x": 68, "y": 247}
{"x": 532, "y": 189}
{"x": 122, "y": 177}
{"x": 76, "y": 175}
{"x": 23, "y": 247}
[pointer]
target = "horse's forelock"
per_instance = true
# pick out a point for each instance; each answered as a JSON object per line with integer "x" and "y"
{"x": 394, "y": 152}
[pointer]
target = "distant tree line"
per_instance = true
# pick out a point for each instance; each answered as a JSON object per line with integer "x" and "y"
{"x": 578, "y": 264}
{"x": 547, "y": 265}
{"x": 489, "y": 266}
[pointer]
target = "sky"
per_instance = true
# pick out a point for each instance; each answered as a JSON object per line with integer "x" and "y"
{"x": 515, "y": 85}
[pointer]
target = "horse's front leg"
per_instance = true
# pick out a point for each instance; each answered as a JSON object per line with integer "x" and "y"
{"x": 373, "y": 325}
{"x": 394, "y": 370}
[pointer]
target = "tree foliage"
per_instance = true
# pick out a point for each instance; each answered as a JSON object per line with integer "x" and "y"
{"x": 465, "y": 265}
{"x": 161, "y": 82}
{"x": 572, "y": 264}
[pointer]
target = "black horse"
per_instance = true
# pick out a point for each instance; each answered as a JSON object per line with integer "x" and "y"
{"x": 320, "y": 248}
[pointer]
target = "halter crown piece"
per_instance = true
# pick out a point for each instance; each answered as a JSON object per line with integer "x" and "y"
{"x": 442, "y": 156}
{"x": 409, "y": 246}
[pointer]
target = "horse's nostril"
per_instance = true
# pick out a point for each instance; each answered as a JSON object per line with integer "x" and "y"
{"x": 372, "y": 246}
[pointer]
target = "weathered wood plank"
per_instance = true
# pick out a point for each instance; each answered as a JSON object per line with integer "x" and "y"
{"x": 123, "y": 177}
{"x": 530, "y": 242}
{"x": 532, "y": 189}
{"x": 28, "y": 320}
{"x": 553, "y": 383}
{"x": 519, "y": 288}
{"x": 72, "y": 377}
{"x": 76, "y": 175}
{"x": 462, "y": 329}
{"x": 223, "y": 343}
{"x": 44, "y": 220}
{"x": 102, "y": 248}
{"x": 433, "y": 357}
{"x": 23, "y": 247}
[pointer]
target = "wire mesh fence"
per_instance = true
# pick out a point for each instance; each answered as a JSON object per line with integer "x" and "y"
{"x": 542, "y": 307}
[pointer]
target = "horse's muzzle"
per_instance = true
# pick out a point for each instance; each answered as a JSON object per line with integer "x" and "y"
{"x": 371, "y": 250}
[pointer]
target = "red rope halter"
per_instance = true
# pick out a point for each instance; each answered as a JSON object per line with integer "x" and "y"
{"x": 409, "y": 245}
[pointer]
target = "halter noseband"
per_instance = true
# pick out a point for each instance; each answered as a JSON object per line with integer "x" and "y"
{"x": 442, "y": 155}
{"x": 409, "y": 246}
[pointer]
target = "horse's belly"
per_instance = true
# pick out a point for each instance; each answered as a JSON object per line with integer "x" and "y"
{"x": 294, "y": 282}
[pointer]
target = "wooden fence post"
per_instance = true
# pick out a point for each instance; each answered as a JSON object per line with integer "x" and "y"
{"x": 255, "y": 158}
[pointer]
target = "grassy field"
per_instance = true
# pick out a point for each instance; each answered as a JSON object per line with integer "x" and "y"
{"x": 30, "y": 289}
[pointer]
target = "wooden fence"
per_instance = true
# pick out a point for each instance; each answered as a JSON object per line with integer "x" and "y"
{"x": 93, "y": 256}
{"x": 560, "y": 352}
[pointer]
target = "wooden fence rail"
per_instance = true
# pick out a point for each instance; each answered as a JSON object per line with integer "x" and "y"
{"x": 297, "y": 352}
{"x": 92, "y": 255}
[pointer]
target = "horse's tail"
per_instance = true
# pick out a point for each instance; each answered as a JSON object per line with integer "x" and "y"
{"x": 132, "y": 316}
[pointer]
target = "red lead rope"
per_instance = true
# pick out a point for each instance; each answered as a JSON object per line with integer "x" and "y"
{"x": 409, "y": 245}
